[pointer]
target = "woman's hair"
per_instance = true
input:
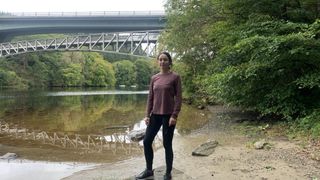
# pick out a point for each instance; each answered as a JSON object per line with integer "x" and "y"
{"x": 167, "y": 54}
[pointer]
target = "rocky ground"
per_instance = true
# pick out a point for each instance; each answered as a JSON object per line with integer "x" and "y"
{"x": 234, "y": 158}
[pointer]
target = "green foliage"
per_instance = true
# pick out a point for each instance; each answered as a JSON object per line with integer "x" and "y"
{"x": 184, "y": 71}
{"x": 60, "y": 69}
{"x": 9, "y": 79}
{"x": 188, "y": 24}
{"x": 45, "y": 69}
{"x": 125, "y": 73}
{"x": 181, "y": 68}
{"x": 71, "y": 75}
{"x": 113, "y": 57}
{"x": 155, "y": 67}
{"x": 37, "y": 71}
{"x": 97, "y": 71}
{"x": 144, "y": 71}
{"x": 311, "y": 123}
{"x": 276, "y": 70}
{"x": 28, "y": 67}
{"x": 296, "y": 11}
{"x": 55, "y": 63}
{"x": 260, "y": 55}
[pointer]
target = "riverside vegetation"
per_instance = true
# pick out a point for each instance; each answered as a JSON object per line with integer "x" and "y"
{"x": 262, "y": 56}
{"x": 72, "y": 69}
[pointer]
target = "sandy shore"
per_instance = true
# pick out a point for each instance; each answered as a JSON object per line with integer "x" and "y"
{"x": 234, "y": 158}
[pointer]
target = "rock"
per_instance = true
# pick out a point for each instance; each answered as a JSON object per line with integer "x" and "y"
{"x": 9, "y": 156}
{"x": 259, "y": 144}
{"x": 315, "y": 156}
{"x": 205, "y": 149}
{"x": 200, "y": 107}
{"x": 136, "y": 135}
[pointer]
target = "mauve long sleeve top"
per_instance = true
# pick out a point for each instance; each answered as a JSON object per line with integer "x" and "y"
{"x": 165, "y": 95}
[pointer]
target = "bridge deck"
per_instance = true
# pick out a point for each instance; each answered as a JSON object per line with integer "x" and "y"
{"x": 97, "y": 22}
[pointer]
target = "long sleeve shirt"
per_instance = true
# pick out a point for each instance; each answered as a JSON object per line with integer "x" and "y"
{"x": 165, "y": 95}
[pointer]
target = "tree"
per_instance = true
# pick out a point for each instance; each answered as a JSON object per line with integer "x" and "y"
{"x": 144, "y": 71}
{"x": 97, "y": 71}
{"x": 72, "y": 75}
{"x": 9, "y": 79}
{"x": 125, "y": 73}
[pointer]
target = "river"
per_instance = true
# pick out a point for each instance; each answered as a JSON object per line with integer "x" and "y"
{"x": 70, "y": 129}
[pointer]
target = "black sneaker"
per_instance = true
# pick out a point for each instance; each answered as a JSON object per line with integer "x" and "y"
{"x": 145, "y": 174}
{"x": 167, "y": 176}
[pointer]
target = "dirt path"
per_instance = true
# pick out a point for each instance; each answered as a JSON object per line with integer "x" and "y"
{"x": 234, "y": 158}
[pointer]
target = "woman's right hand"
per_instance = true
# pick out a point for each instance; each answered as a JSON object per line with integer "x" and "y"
{"x": 147, "y": 120}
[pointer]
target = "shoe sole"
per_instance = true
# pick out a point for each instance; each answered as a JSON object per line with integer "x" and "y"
{"x": 147, "y": 178}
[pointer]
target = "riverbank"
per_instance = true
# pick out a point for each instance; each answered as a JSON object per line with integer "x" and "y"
{"x": 234, "y": 158}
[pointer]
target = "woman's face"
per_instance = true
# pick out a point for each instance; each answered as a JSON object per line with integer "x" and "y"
{"x": 164, "y": 62}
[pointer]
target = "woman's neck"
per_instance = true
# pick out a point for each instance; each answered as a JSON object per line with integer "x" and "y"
{"x": 164, "y": 71}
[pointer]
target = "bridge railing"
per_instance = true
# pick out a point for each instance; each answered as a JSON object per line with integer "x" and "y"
{"x": 134, "y": 43}
{"x": 79, "y": 14}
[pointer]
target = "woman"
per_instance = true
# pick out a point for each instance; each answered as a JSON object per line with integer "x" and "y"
{"x": 163, "y": 107}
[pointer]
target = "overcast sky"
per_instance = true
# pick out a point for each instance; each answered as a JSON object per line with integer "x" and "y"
{"x": 79, "y": 5}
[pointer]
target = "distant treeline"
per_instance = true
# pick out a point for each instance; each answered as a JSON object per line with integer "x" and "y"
{"x": 65, "y": 69}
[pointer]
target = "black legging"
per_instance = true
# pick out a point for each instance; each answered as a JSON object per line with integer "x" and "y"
{"x": 167, "y": 133}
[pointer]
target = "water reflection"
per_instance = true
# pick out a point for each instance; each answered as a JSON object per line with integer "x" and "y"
{"x": 73, "y": 113}
{"x": 78, "y": 141}
{"x": 81, "y": 93}
{"x": 20, "y": 169}
{"x": 70, "y": 125}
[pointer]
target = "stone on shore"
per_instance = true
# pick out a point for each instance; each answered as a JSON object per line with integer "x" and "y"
{"x": 205, "y": 149}
{"x": 137, "y": 135}
{"x": 260, "y": 144}
{"x": 9, "y": 155}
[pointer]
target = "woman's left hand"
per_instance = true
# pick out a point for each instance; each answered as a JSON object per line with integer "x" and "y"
{"x": 172, "y": 121}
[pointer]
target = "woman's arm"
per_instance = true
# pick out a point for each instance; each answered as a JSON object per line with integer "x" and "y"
{"x": 150, "y": 99}
{"x": 178, "y": 98}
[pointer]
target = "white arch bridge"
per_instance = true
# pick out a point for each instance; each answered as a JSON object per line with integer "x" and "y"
{"x": 132, "y": 43}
